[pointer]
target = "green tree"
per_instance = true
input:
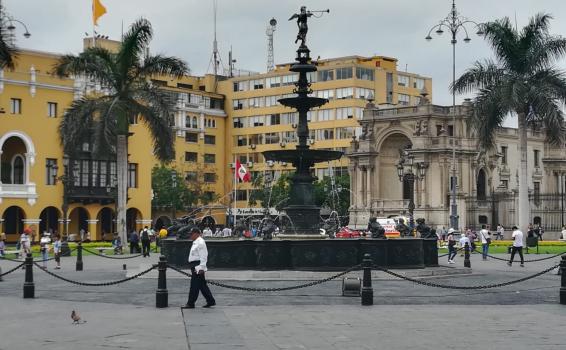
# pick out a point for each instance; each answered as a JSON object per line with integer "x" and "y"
{"x": 270, "y": 194}
{"x": 7, "y": 51}
{"x": 522, "y": 80}
{"x": 125, "y": 74}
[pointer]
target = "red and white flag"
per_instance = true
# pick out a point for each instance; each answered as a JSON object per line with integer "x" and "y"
{"x": 243, "y": 173}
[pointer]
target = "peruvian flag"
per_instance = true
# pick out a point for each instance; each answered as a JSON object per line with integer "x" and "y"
{"x": 242, "y": 172}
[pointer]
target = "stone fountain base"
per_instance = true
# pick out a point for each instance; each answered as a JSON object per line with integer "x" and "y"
{"x": 305, "y": 254}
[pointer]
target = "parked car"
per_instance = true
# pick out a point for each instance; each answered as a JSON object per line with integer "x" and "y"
{"x": 346, "y": 232}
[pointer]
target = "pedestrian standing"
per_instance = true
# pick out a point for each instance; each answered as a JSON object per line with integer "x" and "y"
{"x": 134, "y": 240}
{"x": 517, "y": 246}
{"x": 485, "y": 241}
{"x": 463, "y": 240}
{"x": 563, "y": 232}
{"x": 44, "y": 248}
{"x": 198, "y": 257}
{"x": 57, "y": 251}
{"x": 25, "y": 243}
{"x": 451, "y": 246}
{"x": 145, "y": 241}
{"x": 500, "y": 232}
{"x": 539, "y": 232}
{"x": 2, "y": 244}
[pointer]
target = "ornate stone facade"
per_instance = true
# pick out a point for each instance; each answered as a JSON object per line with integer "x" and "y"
{"x": 487, "y": 181}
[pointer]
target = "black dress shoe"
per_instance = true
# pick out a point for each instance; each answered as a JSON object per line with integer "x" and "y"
{"x": 209, "y": 305}
{"x": 188, "y": 306}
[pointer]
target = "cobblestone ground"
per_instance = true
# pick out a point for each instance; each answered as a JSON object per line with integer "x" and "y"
{"x": 124, "y": 316}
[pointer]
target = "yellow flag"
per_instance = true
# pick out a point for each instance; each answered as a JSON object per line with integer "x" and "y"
{"x": 97, "y": 11}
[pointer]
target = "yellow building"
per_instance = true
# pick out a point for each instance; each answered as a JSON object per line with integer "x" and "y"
{"x": 258, "y": 123}
{"x": 39, "y": 187}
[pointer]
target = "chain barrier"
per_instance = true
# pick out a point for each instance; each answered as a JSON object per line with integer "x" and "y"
{"x": 40, "y": 260}
{"x": 101, "y": 284}
{"x": 443, "y": 255}
{"x": 445, "y": 286}
{"x": 12, "y": 270}
{"x": 305, "y": 285}
{"x": 532, "y": 260}
{"x": 111, "y": 257}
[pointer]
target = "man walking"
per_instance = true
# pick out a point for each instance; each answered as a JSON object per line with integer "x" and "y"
{"x": 485, "y": 241}
{"x": 145, "y": 241}
{"x": 517, "y": 246}
{"x": 198, "y": 257}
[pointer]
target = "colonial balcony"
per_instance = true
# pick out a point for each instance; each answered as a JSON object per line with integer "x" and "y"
{"x": 26, "y": 191}
{"x": 90, "y": 194}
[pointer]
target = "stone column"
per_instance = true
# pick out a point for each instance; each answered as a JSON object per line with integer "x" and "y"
{"x": 359, "y": 187}
{"x": 94, "y": 234}
{"x": 369, "y": 169}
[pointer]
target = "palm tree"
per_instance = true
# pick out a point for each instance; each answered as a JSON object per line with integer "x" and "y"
{"x": 523, "y": 81}
{"x": 105, "y": 118}
{"x": 7, "y": 51}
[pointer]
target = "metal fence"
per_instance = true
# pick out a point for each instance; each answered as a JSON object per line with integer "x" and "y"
{"x": 501, "y": 208}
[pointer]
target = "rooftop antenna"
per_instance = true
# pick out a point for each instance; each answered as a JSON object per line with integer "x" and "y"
{"x": 215, "y": 59}
{"x": 269, "y": 31}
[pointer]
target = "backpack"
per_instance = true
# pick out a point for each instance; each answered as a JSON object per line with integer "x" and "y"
{"x": 145, "y": 235}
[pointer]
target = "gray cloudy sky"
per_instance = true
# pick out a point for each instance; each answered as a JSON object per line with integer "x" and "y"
{"x": 184, "y": 28}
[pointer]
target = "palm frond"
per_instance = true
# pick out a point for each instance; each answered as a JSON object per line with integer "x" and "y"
{"x": 162, "y": 65}
{"x": 503, "y": 38}
{"x": 488, "y": 115}
{"x": 480, "y": 75}
{"x": 8, "y": 53}
{"x": 135, "y": 40}
{"x": 77, "y": 122}
{"x": 96, "y": 63}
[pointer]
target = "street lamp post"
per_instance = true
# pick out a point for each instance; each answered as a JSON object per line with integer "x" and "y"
{"x": 454, "y": 23}
{"x": 406, "y": 172}
{"x": 8, "y": 22}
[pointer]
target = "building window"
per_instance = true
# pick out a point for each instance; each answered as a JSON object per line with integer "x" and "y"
{"x": 505, "y": 184}
{"x": 241, "y": 195}
{"x": 344, "y": 113}
{"x": 191, "y": 137}
{"x": 325, "y": 134}
{"x": 209, "y": 139}
{"x": 256, "y": 102}
{"x": 403, "y": 99}
{"x": 195, "y": 123}
{"x": 191, "y": 176}
{"x": 344, "y": 93}
{"x": 287, "y": 80}
{"x": 536, "y": 193}
{"x": 365, "y": 94}
{"x": 325, "y": 75}
{"x": 344, "y": 133}
{"x": 257, "y": 84}
{"x": 240, "y": 123}
{"x": 344, "y": 73}
{"x": 418, "y": 83}
{"x": 364, "y": 73}
{"x": 209, "y": 158}
{"x": 271, "y": 138}
{"x": 16, "y": 106}
{"x": 209, "y": 177}
{"x": 537, "y": 158}
{"x": 258, "y": 120}
{"x": 274, "y": 119}
{"x": 241, "y": 141}
{"x": 52, "y": 109}
{"x": 271, "y": 100}
{"x": 450, "y": 130}
{"x": 50, "y": 171}
{"x": 132, "y": 175}
{"x": 241, "y": 85}
{"x": 328, "y": 94}
{"x": 273, "y": 82}
{"x": 239, "y": 104}
{"x": 324, "y": 115}
{"x": 402, "y": 80}
{"x": 504, "y": 155}
{"x": 191, "y": 157}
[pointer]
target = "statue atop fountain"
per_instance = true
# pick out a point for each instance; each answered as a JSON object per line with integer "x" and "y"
{"x": 301, "y": 209}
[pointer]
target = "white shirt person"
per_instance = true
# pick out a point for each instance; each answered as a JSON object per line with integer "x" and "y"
{"x": 198, "y": 257}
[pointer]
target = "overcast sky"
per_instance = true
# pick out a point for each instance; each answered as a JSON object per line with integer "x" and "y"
{"x": 184, "y": 28}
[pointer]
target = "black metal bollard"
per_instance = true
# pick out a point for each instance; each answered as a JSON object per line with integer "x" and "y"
{"x": 29, "y": 286}
{"x": 79, "y": 265}
{"x": 467, "y": 262}
{"x": 367, "y": 290}
{"x": 162, "y": 295}
{"x": 563, "y": 281}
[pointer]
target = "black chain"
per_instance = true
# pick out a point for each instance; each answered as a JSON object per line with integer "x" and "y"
{"x": 179, "y": 270}
{"x": 305, "y": 285}
{"x": 445, "y": 286}
{"x": 12, "y": 270}
{"x": 112, "y": 257}
{"x": 532, "y": 260}
{"x": 101, "y": 284}
{"x": 443, "y": 255}
{"x": 40, "y": 260}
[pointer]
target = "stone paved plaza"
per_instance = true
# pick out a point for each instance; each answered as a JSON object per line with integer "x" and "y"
{"x": 404, "y": 315}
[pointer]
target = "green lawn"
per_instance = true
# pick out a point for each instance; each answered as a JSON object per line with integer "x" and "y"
{"x": 497, "y": 249}
{"x": 73, "y": 246}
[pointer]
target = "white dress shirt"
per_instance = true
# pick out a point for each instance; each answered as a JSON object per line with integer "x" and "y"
{"x": 199, "y": 252}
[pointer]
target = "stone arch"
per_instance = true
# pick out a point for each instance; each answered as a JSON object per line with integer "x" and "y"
{"x": 162, "y": 221}
{"x": 106, "y": 222}
{"x": 49, "y": 220}
{"x": 15, "y": 159}
{"x": 79, "y": 218}
{"x": 133, "y": 215}
{"x": 12, "y": 222}
{"x": 389, "y": 185}
{"x": 30, "y": 148}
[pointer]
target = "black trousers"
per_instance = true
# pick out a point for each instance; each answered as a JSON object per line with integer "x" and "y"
{"x": 514, "y": 250}
{"x": 145, "y": 246}
{"x": 198, "y": 284}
